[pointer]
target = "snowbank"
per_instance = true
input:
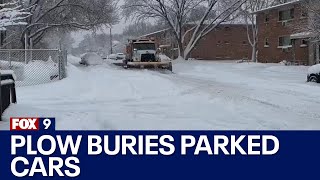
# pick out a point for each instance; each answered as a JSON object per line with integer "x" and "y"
{"x": 314, "y": 69}
{"x": 8, "y": 72}
{"x": 39, "y": 72}
{"x": 34, "y": 73}
{"x": 73, "y": 60}
{"x": 16, "y": 67}
{"x": 163, "y": 57}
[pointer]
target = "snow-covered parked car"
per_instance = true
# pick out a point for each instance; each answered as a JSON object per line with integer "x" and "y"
{"x": 113, "y": 56}
{"x": 314, "y": 73}
{"x": 91, "y": 59}
{"x": 121, "y": 56}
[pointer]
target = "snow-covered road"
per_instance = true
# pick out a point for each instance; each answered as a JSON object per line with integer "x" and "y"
{"x": 199, "y": 96}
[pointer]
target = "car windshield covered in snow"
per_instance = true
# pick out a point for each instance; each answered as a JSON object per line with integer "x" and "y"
{"x": 145, "y": 46}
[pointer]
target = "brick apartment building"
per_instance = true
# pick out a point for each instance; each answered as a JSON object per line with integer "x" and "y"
{"x": 282, "y": 35}
{"x": 226, "y": 42}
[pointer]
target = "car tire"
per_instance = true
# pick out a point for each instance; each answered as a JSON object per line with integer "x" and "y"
{"x": 125, "y": 64}
{"x": 314, "y": 78}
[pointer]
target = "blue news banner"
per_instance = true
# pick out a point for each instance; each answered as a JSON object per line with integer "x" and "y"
{"x": 33, "y": 149}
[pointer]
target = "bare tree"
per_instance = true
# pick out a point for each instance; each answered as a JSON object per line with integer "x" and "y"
{"x": 141, "y": 28}
{"x": 66, "y": 14}
{"x": 249, "y": 8}
{"x": 177, "y": 14}
{"x": 313, "y": 9}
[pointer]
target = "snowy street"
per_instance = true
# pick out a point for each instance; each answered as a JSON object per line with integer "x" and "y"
{"x": 200, "y": 95}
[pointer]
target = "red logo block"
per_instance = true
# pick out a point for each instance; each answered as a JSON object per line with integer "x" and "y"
{"x": 24, "y": 124}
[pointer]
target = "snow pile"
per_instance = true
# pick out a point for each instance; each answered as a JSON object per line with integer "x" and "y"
{"x": 39, "y": 72}
{"x": 314, "y": 69}
{"x": 91, "y": 59}
{"x": 33, "y": 73}
{"x": 16, "y": 67}
{"x": 284, "y": 63}
{"x": 73, "y": 60}
{"x": 287, "y": 69}
{"x": 8, "y": 72}
{"x": 180, "y": 59}
{"x": 243, "y": 61}
{"x": 163, "y": 57}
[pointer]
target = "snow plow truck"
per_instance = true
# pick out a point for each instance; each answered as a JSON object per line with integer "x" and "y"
{"x": 142, "y": 53}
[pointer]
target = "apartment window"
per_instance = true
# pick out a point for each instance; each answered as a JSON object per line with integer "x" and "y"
{"x": 304, "y": 13}
{"x": 285, "y": 41}
{"x": 266, "y": 18}
{"x": 245, "y": 43}
{"x": 304, "y": 43}
{"x": 286, "y": 15}
{"x": 266, "y": 42}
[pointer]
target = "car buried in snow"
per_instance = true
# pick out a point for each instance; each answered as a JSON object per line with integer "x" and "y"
{"x": 121, "y": 56}
{"x": 314, "y": 74}
{"x": 90, "y": 59}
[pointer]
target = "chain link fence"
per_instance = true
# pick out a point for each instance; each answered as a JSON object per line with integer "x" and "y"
{"x": 34, "y": 66}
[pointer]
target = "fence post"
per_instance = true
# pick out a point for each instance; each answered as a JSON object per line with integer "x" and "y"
{"x": 25, "y": 48}
{"x": 10, "y": 64}
{"x": 60, "y": 64}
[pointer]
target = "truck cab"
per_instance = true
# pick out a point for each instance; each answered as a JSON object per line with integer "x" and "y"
{"x": 143, "y": 50}
{"x": 143, "y": 53}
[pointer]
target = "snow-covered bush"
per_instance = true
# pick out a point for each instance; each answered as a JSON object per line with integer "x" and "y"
{"x": 314, "y": 69}
{"x": 91, "y": 59}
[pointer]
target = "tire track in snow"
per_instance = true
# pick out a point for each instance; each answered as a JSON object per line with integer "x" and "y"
{"x": 238, "y": 93}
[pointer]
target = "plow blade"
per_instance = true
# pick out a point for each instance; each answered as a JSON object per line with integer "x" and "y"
{"x": 146, "y": 65}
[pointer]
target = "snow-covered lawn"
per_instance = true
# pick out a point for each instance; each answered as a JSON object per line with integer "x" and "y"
{"x": 199, "y": 96}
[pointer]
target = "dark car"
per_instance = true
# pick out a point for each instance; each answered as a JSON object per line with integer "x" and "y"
{"x": 314, "y": 74}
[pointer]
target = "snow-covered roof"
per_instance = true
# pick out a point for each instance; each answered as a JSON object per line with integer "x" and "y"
{"x": 279, "y": 6}
{"x": 302, "y": 35}
{"x": 236, "y": 21}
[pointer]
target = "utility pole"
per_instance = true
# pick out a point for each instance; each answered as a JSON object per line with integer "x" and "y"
{"x": 111, "y": 48}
